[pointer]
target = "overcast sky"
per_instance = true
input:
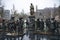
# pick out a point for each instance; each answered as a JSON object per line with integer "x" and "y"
{"x": 25, "y": 4}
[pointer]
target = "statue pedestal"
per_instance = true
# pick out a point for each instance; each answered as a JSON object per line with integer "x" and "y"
{"x": 32, "y": 23}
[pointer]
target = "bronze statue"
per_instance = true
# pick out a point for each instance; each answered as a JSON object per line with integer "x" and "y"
{"x": 31, "y": 9}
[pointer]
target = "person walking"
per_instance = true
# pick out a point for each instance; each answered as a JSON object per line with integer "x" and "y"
{"x": 38, "y": 24}
{"x": 41, "y": 25}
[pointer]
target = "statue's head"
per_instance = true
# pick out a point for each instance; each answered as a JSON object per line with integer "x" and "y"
{"x": 31, "y": 3}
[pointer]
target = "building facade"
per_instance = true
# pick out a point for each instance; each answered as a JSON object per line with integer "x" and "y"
{"x": 6, "y": 15}
{"x": 46, "y": 13}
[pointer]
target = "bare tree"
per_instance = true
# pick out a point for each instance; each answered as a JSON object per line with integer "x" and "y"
{"x": 59, "y": 11}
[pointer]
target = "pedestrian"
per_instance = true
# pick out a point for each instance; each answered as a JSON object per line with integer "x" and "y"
{"x": 53, "y": 25}
{"x": 21, "y": 23}
{"x": 41, "y": 25}
{"x": 48, "y": 23}
{"x": 4, "y": 25}
{"x": 38, "y": 24}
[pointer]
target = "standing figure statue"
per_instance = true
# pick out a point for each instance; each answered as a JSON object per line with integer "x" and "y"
{"x": 31, "y": 9}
